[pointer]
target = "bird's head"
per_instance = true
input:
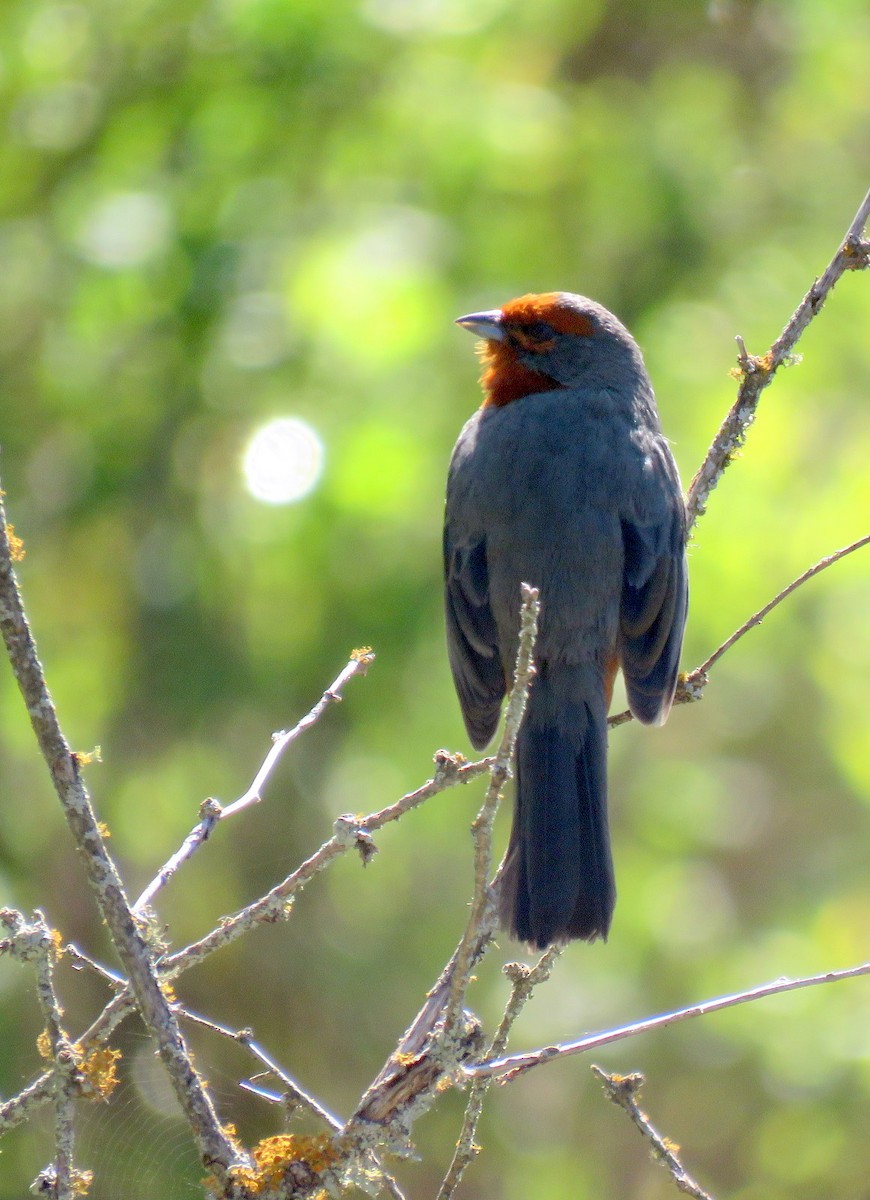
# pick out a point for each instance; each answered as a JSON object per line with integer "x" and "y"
{"x": 548, "y": 340}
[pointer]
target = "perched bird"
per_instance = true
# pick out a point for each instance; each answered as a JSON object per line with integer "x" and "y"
{"x": 563, "y": 480}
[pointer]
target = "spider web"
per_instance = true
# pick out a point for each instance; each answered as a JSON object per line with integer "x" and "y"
{"x": 138, "y": 1145}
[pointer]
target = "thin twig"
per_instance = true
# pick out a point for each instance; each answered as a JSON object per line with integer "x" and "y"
{"x": 444, "y": 1035}
{"x": 450, "y": 771}
{"x": 80, "y": 960}
{"x": 691, "y": 686}
{"x": 481, "y": 827}
{"x": 34, "y": 943}
{"x": 350, "y": 833}
{"x": 245, "y": 1037}
{"x": 757, "y": 373}
{"x": 359, "y": 663}
{"x": 524, "y": 980}
{"x": 215, "y": 1146}
{"x": 623, "y": 1090}
{"x": 515, "y": 1064}
{"x": 757, "y": 618}
{"x": 211, "y": 812}
{"x": 62, "y": 1170}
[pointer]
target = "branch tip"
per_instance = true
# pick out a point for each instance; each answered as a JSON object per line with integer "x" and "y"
{"x": 623, "y": 1091}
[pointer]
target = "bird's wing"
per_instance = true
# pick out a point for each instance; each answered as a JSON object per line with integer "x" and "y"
{"x": 654, "y": 593}
{"x": 472, "y": 638}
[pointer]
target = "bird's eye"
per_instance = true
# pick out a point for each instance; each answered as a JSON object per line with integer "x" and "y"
{"x": 536, "y": 337}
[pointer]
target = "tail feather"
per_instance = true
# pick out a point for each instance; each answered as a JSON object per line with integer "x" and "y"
{"x": 558, "y": 881}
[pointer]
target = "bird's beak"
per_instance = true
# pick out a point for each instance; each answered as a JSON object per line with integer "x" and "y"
{"x": 489, "y": 325}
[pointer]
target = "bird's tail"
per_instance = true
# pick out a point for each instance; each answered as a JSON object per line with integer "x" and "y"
{"x": 558, "y": 879}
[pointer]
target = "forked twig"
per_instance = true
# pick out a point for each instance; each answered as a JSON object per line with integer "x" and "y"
{"x": 516, "y": 1064}
{"x": 524, "y": 980}
{"x": 443, "y": 1035}
{"x": 691, "y": 686}
{"x": 211, "y": 812}
{"x": 215, "y": 1146}
{"x": 481, "y": 828}
{"x": 623, "y": 1090}
{"x": 757, "y": 373}
{"x": 443, "y": 1043}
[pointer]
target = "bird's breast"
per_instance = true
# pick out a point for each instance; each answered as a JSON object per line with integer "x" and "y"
{"x": 557, "y": 451}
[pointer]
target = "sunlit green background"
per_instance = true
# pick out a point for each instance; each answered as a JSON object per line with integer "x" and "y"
{"x": 217, "y": 215}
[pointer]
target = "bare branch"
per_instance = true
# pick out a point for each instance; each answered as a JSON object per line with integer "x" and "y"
{"x": 216, "y": 1148}
{"x": 756, "y": 618}
{"x": 757, "y": 373}
{"x": 623, "y": 1090}
{"x": 359, "y": 663}
{"x": 352, "y": 833}
{"x": 524, "y": 979}
{"x": 62, "y": 1171}
{"x": 211, "y": 811}
{"x": 295, "y": 1096}
{"x": 81, "y": 960}
{"x": 691, "y": 686}
{"x": 481, "y": 828}
{"x": 35, "y": 943}
{"x": 512, "y": 1066}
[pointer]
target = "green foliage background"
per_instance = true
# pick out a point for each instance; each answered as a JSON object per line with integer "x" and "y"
{"x": 214, "y": 214}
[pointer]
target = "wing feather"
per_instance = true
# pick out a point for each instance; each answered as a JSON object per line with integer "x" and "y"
{"x": 472, "y": 638}
{"x": 654, "y": 603}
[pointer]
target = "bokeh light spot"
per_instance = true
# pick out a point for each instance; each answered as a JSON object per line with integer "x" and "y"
{"x": 126, "y": 229}
{"x": 431, "y": 16}
{"x": 283, "y": 461}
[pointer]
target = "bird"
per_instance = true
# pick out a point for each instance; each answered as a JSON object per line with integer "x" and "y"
{"x": 563, "y": 480}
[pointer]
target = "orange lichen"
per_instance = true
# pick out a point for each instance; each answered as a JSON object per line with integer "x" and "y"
{"x": 85, "y": 758}
{"x": 548, "y": 307}
{"x": 100, "y": 1070}
{"x": 274, "y": 1156}
{"x": 16, "y": 546}
{"x": 81, "y": 1182}
{"x": 274, "y": 1153}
